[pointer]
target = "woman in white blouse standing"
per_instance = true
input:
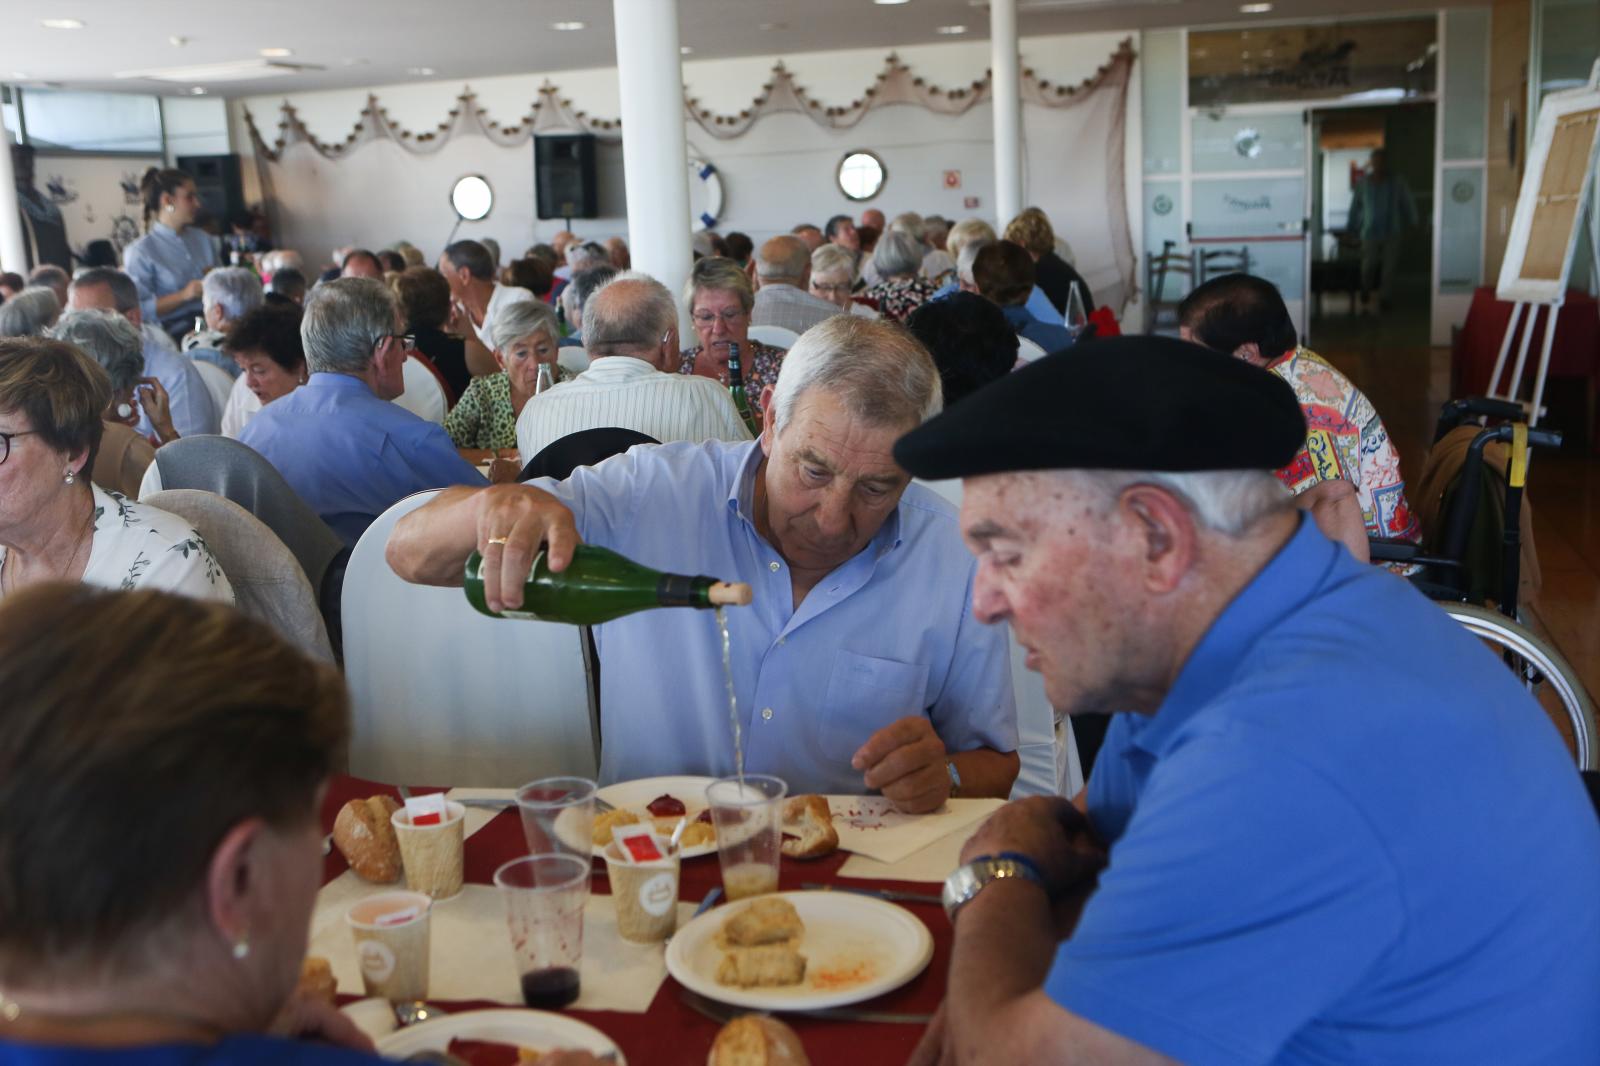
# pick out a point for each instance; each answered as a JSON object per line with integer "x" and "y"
{"x": 54, "y": 524}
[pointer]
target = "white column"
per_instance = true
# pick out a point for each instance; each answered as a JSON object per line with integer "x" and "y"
{"x": 655, "y": 159}
{"x": 1006, "y": 85}
{"x": 13, "y": 253}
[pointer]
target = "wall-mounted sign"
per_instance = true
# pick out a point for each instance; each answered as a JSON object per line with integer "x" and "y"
{"x": 1162, "y": 204}
{"x": 952, "y": 179}
{"x": 969, "y": 202}
{"x": 1389, "y": 59}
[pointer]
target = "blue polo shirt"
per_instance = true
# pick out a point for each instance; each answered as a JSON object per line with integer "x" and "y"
{"x": 1346, "y": 836}
{"x": 888, "y": 634}
{"x": 241, "y": 1050}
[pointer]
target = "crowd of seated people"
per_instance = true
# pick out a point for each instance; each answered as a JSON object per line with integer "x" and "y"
{"x": 1244, "y": 814}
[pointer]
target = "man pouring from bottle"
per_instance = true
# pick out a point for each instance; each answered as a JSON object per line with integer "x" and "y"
{"x": 857, "y": 667}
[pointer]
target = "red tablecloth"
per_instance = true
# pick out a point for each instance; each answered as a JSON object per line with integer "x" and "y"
{"x": 671, "y": 1033}
{"x": 1575, "y": 352}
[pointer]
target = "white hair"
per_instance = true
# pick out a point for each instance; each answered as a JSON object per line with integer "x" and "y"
{"x": 236, "y": 290}
{"x": 969, "y": 256}
{"x": 897, "y": 254}
{"x": 107, "y": 338}
{"x": 29, "y": 313}
{"x": 343, "y": 322}
{"x": 1228, "y": 502}
{"x": 882, "y": 374}
{"x": 829, "y": 258}
{"x": 523, "y": 319}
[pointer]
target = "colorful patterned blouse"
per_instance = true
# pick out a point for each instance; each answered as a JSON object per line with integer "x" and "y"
{"x": 483, "y": 417}
{"x": 898, "y": 297}
{"x": 1345, "y": 439}
{"x": 759, "y": 363}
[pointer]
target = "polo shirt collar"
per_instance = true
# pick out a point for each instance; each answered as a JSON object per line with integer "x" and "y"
{"x": 620, "y": 366}
{"x": 322, "y": 379}
{"x": 1283, "y": 585}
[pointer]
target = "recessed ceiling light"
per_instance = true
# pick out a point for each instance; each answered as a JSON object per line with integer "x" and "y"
{"x": 568, "y": 26}
{"x": 197, "y": 91}
{"x": 176, "y": 41}
{"x": 421, "y": 72}
{"x": 277, "y": 53}
{"x": 61, "y": 24}
{"x": 684, "y": 50}
{"x": 889, "y": 3}
{"x": 1255, "y": 9}
{"x": 950, "y": 31}
{"x": 770, "y": 26}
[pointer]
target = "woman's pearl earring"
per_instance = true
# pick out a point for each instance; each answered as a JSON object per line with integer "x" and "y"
{"x": 72, "y": 475}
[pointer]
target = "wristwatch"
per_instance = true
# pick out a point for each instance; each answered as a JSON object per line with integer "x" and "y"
{"x": 969, "y": 879}
{"x": 955, "y": 778}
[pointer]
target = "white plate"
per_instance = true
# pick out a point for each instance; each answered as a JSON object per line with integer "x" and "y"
{"x": 525, "y": 1028}
{"x": 846, "y": 933}
{"x": 634, "y": 795}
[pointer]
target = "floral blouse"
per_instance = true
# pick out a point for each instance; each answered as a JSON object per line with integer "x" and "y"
{"x": 758, "y": 362}
{"x": 898, "y": 298}
{"x": 484, "y": 417}
{"x": 136, "y": 546}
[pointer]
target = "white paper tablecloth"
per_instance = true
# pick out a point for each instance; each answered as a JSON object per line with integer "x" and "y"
{"x": 870, "y": 826}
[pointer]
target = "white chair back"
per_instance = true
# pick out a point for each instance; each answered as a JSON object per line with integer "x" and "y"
{"x": 776, "y": 336}
{"x": 444, "y": 695}
{"x": 572, "y": 359}
{"x": 218, "y": 383}
{"x": 1028, "y": 351}
{"x": 268, "y": 583}
{"x": 424, "y": 396}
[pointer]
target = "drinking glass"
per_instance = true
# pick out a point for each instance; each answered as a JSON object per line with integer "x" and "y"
{"x": 544, "y": 897}
{"x": 748, "y": 814}
{"x": 1075, "y": 318}
{"x": 558, "y": 816}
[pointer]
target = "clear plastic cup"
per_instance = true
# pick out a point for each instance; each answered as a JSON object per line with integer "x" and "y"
{"x": 558, "y": 816}
{"x": 391, "y": 935}
{"x": 749, "y": 820}
{"x": 544, "y": 897}
{"x": 433, "y": 854}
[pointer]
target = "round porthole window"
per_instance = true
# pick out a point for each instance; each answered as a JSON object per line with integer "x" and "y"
{"x": 861, "y": 175}
{"x": 472, "y": 198}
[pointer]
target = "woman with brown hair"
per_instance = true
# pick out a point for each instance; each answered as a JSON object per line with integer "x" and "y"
{"x": 720, "y": 297}
{"x": 425, "y": 302}
{"x": 172, "y": 257}
{"x": 162, "y": 767}
{"x": 54, "y": 524}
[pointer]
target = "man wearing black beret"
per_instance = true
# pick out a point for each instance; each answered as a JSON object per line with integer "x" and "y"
{"x": 1327, "y": 825}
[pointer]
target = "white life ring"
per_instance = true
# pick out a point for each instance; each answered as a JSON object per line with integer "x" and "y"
{"x": 705, "y": 195}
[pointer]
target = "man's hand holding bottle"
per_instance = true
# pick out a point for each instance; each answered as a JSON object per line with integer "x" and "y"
{"x": 516, "y": 522}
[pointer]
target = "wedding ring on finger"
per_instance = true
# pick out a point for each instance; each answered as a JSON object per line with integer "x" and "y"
{"x": 496, "y": 540}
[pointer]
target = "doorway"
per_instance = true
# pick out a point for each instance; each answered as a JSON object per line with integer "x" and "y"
{"x": 1347, "y": 308}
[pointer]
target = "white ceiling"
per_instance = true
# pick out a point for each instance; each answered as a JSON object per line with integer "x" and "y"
{"x": 375, "y": 42}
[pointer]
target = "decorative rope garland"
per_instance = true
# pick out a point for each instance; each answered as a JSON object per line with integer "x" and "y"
{"x": 896, "y": 84}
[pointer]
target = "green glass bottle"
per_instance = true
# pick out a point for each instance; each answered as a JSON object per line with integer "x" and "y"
{"x": 741, "y": 401}
{"x": 599, "y": 585}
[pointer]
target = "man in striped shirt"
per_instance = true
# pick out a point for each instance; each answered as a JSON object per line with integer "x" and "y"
{"x": 630, "y": 330}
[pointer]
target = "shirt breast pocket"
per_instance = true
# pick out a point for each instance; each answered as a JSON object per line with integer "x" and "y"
{"x": 864, "y": 695}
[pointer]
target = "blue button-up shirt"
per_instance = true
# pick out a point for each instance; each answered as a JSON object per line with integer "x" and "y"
{"x": 162, "y": 262}
{"x": 1050, "y": 337}
{"x": 350, "y": 455}
{"x": 889, "y": 633}
{"x": 1347, "y": 835}
{"x": 193, "y": 410}
{"x": 1038, "y": 304}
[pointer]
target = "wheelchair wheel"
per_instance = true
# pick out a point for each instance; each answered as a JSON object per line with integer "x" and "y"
{"x": 1543, "y": 672}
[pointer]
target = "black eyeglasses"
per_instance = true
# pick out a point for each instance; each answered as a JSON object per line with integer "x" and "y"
{"x": 408, "y": 341}
{"x": 5, "y": 442}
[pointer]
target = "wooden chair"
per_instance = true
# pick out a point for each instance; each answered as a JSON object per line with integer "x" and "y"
{"x": 1157, "y": 269}
{"x": 1215, "y": 261}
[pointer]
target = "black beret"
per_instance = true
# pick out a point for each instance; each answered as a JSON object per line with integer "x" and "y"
{"x": 1123, "y": 403}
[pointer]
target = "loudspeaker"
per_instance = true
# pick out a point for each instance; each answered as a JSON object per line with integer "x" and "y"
{"x": 564, "y": 176}
{"x": 216, "y": 180}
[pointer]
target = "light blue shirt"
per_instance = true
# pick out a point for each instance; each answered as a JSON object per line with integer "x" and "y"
{"x": 1347, "y": 835}
{"x": 162, "y": 262}
{"x": 1038, "y": 305}
{"x": 193, "y": 410}
{"x": 890, "y": 633}
{"x": 350, "y": 455}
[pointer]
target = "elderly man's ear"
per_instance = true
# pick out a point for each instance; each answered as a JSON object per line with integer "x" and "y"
{"x": 1168, "y": 535}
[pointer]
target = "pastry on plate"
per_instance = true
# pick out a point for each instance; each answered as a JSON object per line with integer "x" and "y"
{"x": 763, "y": 966}
{"x": 764, "y": 920}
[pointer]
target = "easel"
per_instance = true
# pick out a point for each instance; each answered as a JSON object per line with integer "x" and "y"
{"x": 1557, "y": 189}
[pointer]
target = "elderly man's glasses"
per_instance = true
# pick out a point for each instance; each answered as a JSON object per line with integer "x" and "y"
{"x": 407, "y": 341}
{"x": 5, "y": 442}
{"x": 833, "y": 290}
{"x": 709, "y": 318}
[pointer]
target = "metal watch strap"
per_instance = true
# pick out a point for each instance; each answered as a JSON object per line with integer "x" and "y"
{"x": 955, "y": 777}
{"x": 969, "y": 879}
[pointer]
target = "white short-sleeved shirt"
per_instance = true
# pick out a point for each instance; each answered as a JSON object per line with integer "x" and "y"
{"x": 502, "y": 297}
{"x": 137, "y": 546}
{"x": 241, "y": 408}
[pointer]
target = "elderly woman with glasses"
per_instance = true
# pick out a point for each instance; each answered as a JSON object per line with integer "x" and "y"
{"x": 833, "y": 278}
{"x": 526, "y": 340}
{"x": 720, "y": 298}
{"x": 54, "y": 524}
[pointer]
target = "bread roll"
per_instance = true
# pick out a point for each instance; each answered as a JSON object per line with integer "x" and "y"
{"x": 365, "y": 838}
{"x": 317, "y": 980}
{"x": 811, "y": 822}
{"x": 757, "y": 1040}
